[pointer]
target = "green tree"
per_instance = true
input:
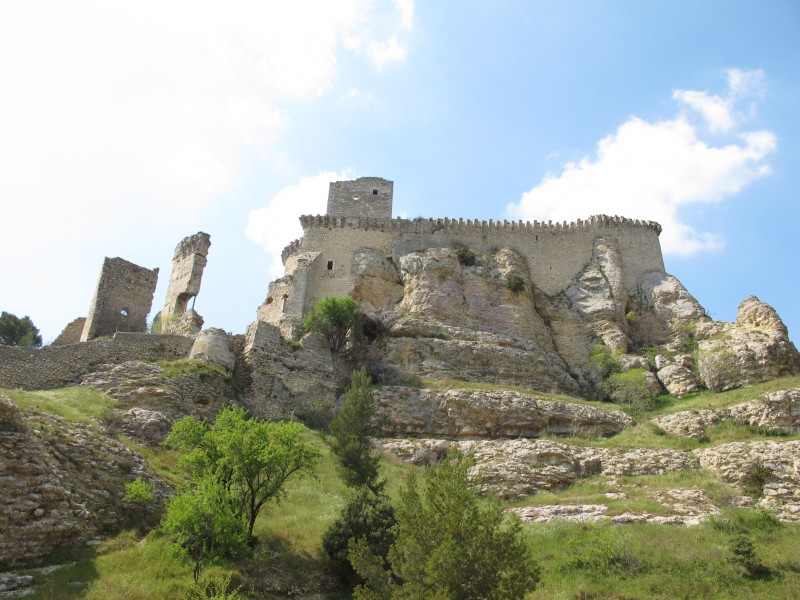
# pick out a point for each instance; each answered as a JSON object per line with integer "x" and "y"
{"x": 631, "y": 389}
{"x": 203, "y": 522}
{"x": 368, "y": 515}
{"x": 18, "y": 332}
{"x": 450, "y": 545}
{"x": 334, "y": 317}
{"x": 250, "y": 458}
{"x": 352, "y": 429}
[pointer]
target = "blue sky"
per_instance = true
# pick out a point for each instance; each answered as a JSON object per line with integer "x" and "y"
{"x": 126, "y": 126}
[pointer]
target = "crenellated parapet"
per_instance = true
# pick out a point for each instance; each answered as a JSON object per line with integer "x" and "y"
{"x": 432, "y": 225}
{"x": 292, "y": 248}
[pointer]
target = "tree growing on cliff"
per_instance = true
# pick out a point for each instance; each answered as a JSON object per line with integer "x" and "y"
{"x": 18, "y": 332}
{"x": 251, "y": 459}
{"x": 334, "y": 317}
{"x": 450, "y": 544}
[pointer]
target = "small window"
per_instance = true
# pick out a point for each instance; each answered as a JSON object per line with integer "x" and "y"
{"x": 123, "y": 313}
{"x": 330, "y": 265}
{"x": 269, "y": 299}
{"x": 374, "y": 192}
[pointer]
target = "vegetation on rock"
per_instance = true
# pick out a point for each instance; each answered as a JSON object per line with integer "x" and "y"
{"x": 334, "y": 317}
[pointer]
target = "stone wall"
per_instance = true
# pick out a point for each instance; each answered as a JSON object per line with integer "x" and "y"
{"x": 188, "y": 263}
{"x": 53, "y": 367}
{"x": 555, "y": 253}
{"x": 122, "y": 299}
{"x": 369, "y": 197}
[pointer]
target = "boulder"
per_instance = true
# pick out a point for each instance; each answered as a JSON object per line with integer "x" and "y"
{"x": 211, "y": 346}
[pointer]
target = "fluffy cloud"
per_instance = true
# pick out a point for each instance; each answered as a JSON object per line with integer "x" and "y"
{"x": 277, "y": 224}
{"x": 134, "y": 116}
{"x": 651, "y": 170}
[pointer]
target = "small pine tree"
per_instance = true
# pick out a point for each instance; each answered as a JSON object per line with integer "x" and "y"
{"x": 352, "y": 429}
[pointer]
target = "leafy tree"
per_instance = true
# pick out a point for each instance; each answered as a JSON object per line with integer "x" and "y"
{"x": 368, "y": 515}
{"x": 334, "y": 317}
{"x": 450, "y": 545}
{"x": 139, "y": 492}
{"x": 603, "y": 360}
{"x": 203, "y": 522}
{"x": 251, "y": 459}
{"x": 351, "y": 430}
{"x": 18, "y": 332}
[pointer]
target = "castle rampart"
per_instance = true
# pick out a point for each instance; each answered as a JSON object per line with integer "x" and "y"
{"x": 320, "y": 263}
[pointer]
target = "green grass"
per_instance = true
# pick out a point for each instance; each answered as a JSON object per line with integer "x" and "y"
{"x": 189, "y": 366}
{"x": 75, "y": 404}
{"x": 642, "y": 561}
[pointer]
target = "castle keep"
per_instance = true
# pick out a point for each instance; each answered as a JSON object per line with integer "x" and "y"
{"x": 358, "y": 237}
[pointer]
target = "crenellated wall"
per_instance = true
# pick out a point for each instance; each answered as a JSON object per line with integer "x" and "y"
{"x": 555, "y": 252}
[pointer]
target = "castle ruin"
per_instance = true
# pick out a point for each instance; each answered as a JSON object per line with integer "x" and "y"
{"x": 358, "y": 237}
{"x": 188, "y": 263}
{"x": 122, "y": 299}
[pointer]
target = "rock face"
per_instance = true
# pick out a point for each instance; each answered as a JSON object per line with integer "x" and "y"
{"x": 754, "y": 349}
{"x": 781, "y": 490}
{"x": 519, "y": 468}
{"x": 778, "y": 410}
{"x": 490, "y": 414}
{"x": 63, "y": 485}
{"x": 463, "y": 322}
{"x": 150, "y": 401}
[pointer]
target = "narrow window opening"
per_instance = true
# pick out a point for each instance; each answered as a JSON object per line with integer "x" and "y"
{"x": 330, "y": 265}
{"x": 374, "y": 192}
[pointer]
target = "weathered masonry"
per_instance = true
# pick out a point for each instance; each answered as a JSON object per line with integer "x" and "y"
{"x": 188, "y": 262}
{"x": 122, "y": 299}
{"x": 325, "y": 261}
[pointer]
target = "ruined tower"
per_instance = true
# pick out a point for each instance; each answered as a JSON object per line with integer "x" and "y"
{"x": 122, "y": 299}
{"x": 188, "y": 262}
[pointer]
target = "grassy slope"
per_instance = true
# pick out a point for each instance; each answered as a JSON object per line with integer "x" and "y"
{"x": 635, "y": 561}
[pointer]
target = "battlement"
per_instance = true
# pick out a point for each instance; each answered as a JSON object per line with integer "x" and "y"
{"x": 455, "y": 226}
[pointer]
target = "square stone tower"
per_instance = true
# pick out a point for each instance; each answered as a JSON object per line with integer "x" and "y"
{"x": 369, "y": 197}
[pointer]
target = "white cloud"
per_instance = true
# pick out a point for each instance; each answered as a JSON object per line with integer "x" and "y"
{"x": 136, "y": 117}
{"x": 406, "y": 10}
{"x": 650, "y": 171}
{"x": 276, "y": 225}
{"x": 382, "y": 53}
{"x": 720, "y": 111}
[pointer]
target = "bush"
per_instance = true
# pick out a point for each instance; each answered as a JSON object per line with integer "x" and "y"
{"x": 515, "y": 283}
{"x": 646, "y": 330}
{"x": 139, "y": 492}
{"x": 756, "y": 475}
{"x": 334, "y": 317}
{"x": 369, "y": 516}
{"x": 603, "y": 550}
{"x": 631, "y": 389}
{"x": 466, "y": 257}
{"x": 603, "y": 360}
{"x": 450, "y": 544}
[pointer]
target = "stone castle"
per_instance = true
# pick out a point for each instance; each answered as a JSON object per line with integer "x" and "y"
{"x": 359, "y": 229}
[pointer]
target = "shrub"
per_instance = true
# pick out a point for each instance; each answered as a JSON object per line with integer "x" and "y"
{"x": 369, "y": 516}
{"x": 631, "y": 389}
{"x": 646, "y": 329}
{"x": 213, "y": 586}
{"x": 466, "y": 257}
{"x": 756, "y": 475}
{"x": 334, "y": 317}
{"x": 603, "y": 360}
{"x": 743, "y": 554}
{"x": 139, "y": 492}
{"x": 515, "y": 283}
{"x": 601, "y": 551}
{"x": 450, "y": 544}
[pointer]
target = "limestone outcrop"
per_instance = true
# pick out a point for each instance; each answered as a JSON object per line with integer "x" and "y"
{"x": 211, "y": 346}
{"x": 457, "y": 413}
{"x": 519, "y": 468}
{"x": 754, "y": 349}
{"x": 777, "y": 411}
{"x": 63, "y": 485}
